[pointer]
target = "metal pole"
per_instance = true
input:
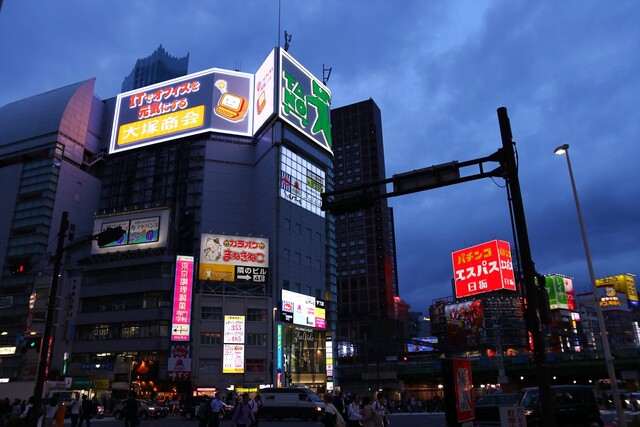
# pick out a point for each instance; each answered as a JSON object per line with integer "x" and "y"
{"x": 48, "y": 323}
{"x": 622, "y": 419}
{"x": 528, "y": 270}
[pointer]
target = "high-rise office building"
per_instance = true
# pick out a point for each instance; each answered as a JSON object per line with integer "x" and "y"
{"x": 155, "y": 68}
{"x": 372, "y": 318}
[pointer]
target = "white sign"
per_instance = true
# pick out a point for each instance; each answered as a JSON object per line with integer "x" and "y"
{"x": 234, "y": 329}
{"x": 233, "y": 359}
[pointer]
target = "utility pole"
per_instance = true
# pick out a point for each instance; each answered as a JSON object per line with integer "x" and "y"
{"x": 528, "y": 270}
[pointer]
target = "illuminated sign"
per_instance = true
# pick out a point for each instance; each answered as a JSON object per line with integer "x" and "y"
{"x": 233, "y": 359}
{"x": 264, "y": 92}
{"x": 179, "y": 363}
{"x": 234, "y": 329}
{"x": 233, "y": 258}
{"x": 279, "y": 345}
{"x": 304, "y": 101}
{"x": 7, "y": 350}
{"x": 624, "y": 283}
{"x": 611, "y": 300}
{"x": 301, "y": 182}
{"x": 463, "y": 387}
{"x": 555, "y": 286}
{"x": 212, "y": 100}
{"x": 483, "y": 268}
{"x": 420, "y": 344}
{"x": 329, "y": 362}
{"x": 143, "y": 230}
{"x": 181, "y": 315}
{"x": 303, "y": 310}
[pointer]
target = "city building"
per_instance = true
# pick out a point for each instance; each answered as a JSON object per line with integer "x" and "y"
{"x": 225, "y": 275}
{"x": 372, "y": 318}
{"x": 155, "y": 68}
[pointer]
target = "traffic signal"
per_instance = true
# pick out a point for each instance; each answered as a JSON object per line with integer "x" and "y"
{"x": 110, "y": 235}
{"x": 18, "y": 268}
{"x": 34, "y": 342}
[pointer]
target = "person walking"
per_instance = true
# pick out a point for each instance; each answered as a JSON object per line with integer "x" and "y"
{"x": 380, "y": 406}
{"x": 86, "y": 410}
{"x": 255, "y": 405}
{"x": 75, "y": 404}
{"x": 354, "y": 412}
{"x": 131, "y": 410}
{"x": 242, "y": 413}
{"x": 370, "y": 417}
{"x": 217, "y": 408}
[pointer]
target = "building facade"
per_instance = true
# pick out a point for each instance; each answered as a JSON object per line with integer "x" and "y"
{"x": 225, "y": 277}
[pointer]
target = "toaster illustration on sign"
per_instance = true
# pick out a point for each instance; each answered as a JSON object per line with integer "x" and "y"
{"x": 231, "y": 107}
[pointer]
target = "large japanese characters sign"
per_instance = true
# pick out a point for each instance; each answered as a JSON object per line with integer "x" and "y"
{"x": 304, "y": 101}
{"x": 483, "y": 268}
{"x": 623, "y": 283}
{"x": 463, "y": 386}
{"x": 233, "y": 258}
{"x": 181, "y": 315}
{"x": 211, "y": 100}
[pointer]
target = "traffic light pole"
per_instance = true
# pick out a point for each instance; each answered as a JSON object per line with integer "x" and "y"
{"x": 46, "y": 347}
{"x": 528, "y": 270}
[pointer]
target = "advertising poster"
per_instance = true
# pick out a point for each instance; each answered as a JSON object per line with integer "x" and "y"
{"x": 465, "y": 324}
{"x": 555, "y": 286}
{"x": 181, "y": 314}
{"x": 143, "y": 230}
{"x": 233, "y": 329}
{"x": 264, "y": 92}
{"x": 463, "y": 389}
{"x": 301, "y": 182}
{"x": 233, "y": 258}
{"x": 624, "y": 283}
{"x": 483, "y": 268}
{"x": 179, "y": 363}
{"x": 211, "y": 100}
{"x": 303, "y": 310}
{"x": 233, "y": 359}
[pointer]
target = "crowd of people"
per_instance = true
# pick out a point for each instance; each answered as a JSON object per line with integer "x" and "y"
{"x": 21, "y": 413}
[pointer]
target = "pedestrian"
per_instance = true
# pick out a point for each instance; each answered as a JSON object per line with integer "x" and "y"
{"x": 370, "y": 417}
{"x": 354, "y": 412}
{"x": 340, "y": 404}
{"x": 16, "y": 409}
{"x": 255, "y": 404}
{"x": 242, "y": 413}
{"x": 86, "y": 410}
{"x": 75, "y": 404}
{"x": 130, "y": 409}
{"x": 217, "y": 408}
{"x": 380, "y": 406}
{"x": 50, "y": 408}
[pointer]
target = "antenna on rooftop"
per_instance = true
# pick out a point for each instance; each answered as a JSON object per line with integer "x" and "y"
{"x": 237, "y": 65}
{"x": 287, "y": 40}
{"x": 326, "y": 73}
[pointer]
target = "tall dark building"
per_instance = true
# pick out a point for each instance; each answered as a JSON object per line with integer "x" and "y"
{"x": 155, "y": 68}
{"x": 369, "y": 320}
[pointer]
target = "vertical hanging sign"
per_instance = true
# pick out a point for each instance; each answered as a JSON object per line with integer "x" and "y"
{"x": 181, "y": 315}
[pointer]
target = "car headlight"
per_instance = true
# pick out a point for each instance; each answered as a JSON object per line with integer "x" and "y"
{"x": 319, "y": 409}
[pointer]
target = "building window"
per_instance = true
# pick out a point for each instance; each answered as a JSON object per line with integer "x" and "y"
{"x": 256, "y": 365}
{"x": 210, "y": 338}
{"x": 210, "y": 313}
{"x": 257, "y": 340}
{"x": 256, "y": 315}
{"x": 209, "y": 366}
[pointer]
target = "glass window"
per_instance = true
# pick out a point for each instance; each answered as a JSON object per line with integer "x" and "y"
{"x": 210, "y": 313}
{"x": 256, "y": 315}
{"x": 210, "y": 338}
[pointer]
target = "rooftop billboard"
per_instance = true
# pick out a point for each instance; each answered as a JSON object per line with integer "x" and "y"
{"x": 143, "y": 230}
{"x": 561, "y": 293}
{"x": 211, "y": 100}
{"x": 623, "y": 283}
{"x": 483, "y": 268}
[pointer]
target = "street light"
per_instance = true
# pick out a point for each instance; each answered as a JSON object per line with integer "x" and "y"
{"x": 564, "y": 149}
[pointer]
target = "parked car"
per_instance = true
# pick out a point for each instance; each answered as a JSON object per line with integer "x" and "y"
{"x": 574, "y": 406}
{"x": 296, "y": 402}
{"x": 487, "y": 408}
{"x": 145, "y": 410}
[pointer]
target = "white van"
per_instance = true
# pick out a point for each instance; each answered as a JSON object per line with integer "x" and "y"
{"x": 291, "y": 402}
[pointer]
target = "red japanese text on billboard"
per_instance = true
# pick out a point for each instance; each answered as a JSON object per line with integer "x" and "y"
{"x": 181, "y": 317}
{"x": 483, "y": 268}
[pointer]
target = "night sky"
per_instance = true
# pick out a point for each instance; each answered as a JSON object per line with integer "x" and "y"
{"x": 568, "y": 72}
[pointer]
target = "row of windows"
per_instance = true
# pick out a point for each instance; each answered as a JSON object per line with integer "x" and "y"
{"x": 129, "y": 330}
{"x": 215, "y": 338}
{"x": 127, "y": 302}
{"x": 215, "y": 313}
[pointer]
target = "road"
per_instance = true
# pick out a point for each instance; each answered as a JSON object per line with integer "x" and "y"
{"x": 396, "y": 420}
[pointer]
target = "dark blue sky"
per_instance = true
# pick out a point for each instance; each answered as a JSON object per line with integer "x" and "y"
{"x": 568, "y": 72}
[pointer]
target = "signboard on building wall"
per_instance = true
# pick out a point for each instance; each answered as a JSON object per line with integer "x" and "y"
{"x": 233, "y": 258}
{"x": 264, "y": 92}
{"x": 233, "y": 359}
{"x": 181, "y": 314}
{"x": 465, "y": 324}
{"x": 301, "y": 182}
{"x": 329, "y": 361}
{"x": 483, "y": 268}
{"x": 557, "y": 292}
{"x": 233, "y": 329}
{"x": 463, "y": 387}
{"x": 304, "y": 101}
{"x": 303, "y": 310}
{"x": 612, "y": 300}
{"x": 211, "y": 100}
{"x": 179, "y": 362}
{"x": 143, "y": 230}
{"x": 624, "y": 283}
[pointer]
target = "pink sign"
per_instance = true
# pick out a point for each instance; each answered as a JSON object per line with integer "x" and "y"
{"x": 181, "y": 318}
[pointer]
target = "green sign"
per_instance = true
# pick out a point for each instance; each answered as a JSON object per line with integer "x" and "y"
{"x": 81, "y": 383}
{"x": 557, "y": 294}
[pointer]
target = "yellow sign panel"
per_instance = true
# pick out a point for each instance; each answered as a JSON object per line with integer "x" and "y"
{"x": 217, "y": 272}
{"x": 623, "y": 283}
{"x": 161, "y": 125}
